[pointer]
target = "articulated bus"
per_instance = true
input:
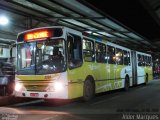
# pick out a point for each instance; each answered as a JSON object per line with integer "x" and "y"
{"x": 60, "y": 63}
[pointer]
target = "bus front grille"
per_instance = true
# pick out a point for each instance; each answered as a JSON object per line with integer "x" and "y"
{"x": 40, "y": 88}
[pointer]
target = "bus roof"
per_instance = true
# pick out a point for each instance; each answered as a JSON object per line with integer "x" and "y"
{"x": 42, "y": 28}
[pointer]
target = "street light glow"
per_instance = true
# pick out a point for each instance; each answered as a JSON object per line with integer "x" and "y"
{"x": 3, "y": 20}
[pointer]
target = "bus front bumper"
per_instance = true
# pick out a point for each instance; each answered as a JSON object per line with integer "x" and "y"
{"x": 45, "y": 95}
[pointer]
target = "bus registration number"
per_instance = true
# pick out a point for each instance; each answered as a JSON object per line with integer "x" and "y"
{"x": 34, "y": 94}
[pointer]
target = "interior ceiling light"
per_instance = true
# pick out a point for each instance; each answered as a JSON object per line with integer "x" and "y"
{"x": 3, "y": 20}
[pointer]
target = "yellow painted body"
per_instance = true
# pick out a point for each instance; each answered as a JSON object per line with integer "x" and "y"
{"x": 107, "y": 77}
{"x": 103, "y": 75}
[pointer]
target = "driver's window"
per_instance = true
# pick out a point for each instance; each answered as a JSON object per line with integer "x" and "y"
{"x": 74, "y": 46}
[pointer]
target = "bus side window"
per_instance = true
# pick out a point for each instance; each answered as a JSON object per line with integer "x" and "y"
{"x": 150, "y": 61}
{"x": 129, "y": 58}
{"x": 144, "y": 60}
{"x": 140, "y": 60}
{"x": 74, "y": 48}
{"x": 111, "y": 55}
{"x": 119, "y": 56}
{"x": 126, "y": 57}
{"x": 88, "y": 51}
{"x": 100, "y": 53}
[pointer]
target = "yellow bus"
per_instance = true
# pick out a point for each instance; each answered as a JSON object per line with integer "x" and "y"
{"x": 60, "y": 63}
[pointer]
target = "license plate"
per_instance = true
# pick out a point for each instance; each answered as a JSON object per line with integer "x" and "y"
{"x": 34, "y": 94}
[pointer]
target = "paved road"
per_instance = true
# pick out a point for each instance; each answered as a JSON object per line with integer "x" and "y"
{"x": 141, "y": 102}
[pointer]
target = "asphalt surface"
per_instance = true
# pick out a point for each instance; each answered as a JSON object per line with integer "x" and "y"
{"x": 139, "y": 103}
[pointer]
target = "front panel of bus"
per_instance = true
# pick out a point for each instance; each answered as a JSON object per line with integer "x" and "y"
{"x": 41, "y": 64}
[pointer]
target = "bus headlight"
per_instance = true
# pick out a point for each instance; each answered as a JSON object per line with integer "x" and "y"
{"x": 58, "y": 86}
{"x": 18, "y": 87}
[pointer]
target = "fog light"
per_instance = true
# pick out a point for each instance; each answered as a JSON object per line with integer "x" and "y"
{"x": 23, "y": 94}
{"x": 46, "y": 95}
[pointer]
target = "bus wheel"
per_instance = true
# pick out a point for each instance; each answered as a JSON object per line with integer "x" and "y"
{"x": 88, "y": 90}
{"x": 146, "y": 79}
{"x": 126, "y": 84}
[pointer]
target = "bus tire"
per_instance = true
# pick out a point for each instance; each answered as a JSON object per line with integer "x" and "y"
{"x": 146, "y": 79}
{"x": 88, "y": 90}
{"x": 126, "y": 84}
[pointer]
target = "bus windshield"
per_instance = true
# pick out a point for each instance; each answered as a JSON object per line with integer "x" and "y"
{"x": 41, "y": 57}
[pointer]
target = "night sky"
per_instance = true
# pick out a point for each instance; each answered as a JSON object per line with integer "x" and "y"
{"x": 130, "y": 13}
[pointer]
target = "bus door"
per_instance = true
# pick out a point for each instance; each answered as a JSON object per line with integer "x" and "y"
{"x": 140, "y": 69}
{"x": 74, "y": 58}
{"x": 134, "y": 67}
{"x": 119, "y": 68}
{"x": 111, "y": 64}
{"x": 90, "y": 67}
{"x": 101, "y": 61}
